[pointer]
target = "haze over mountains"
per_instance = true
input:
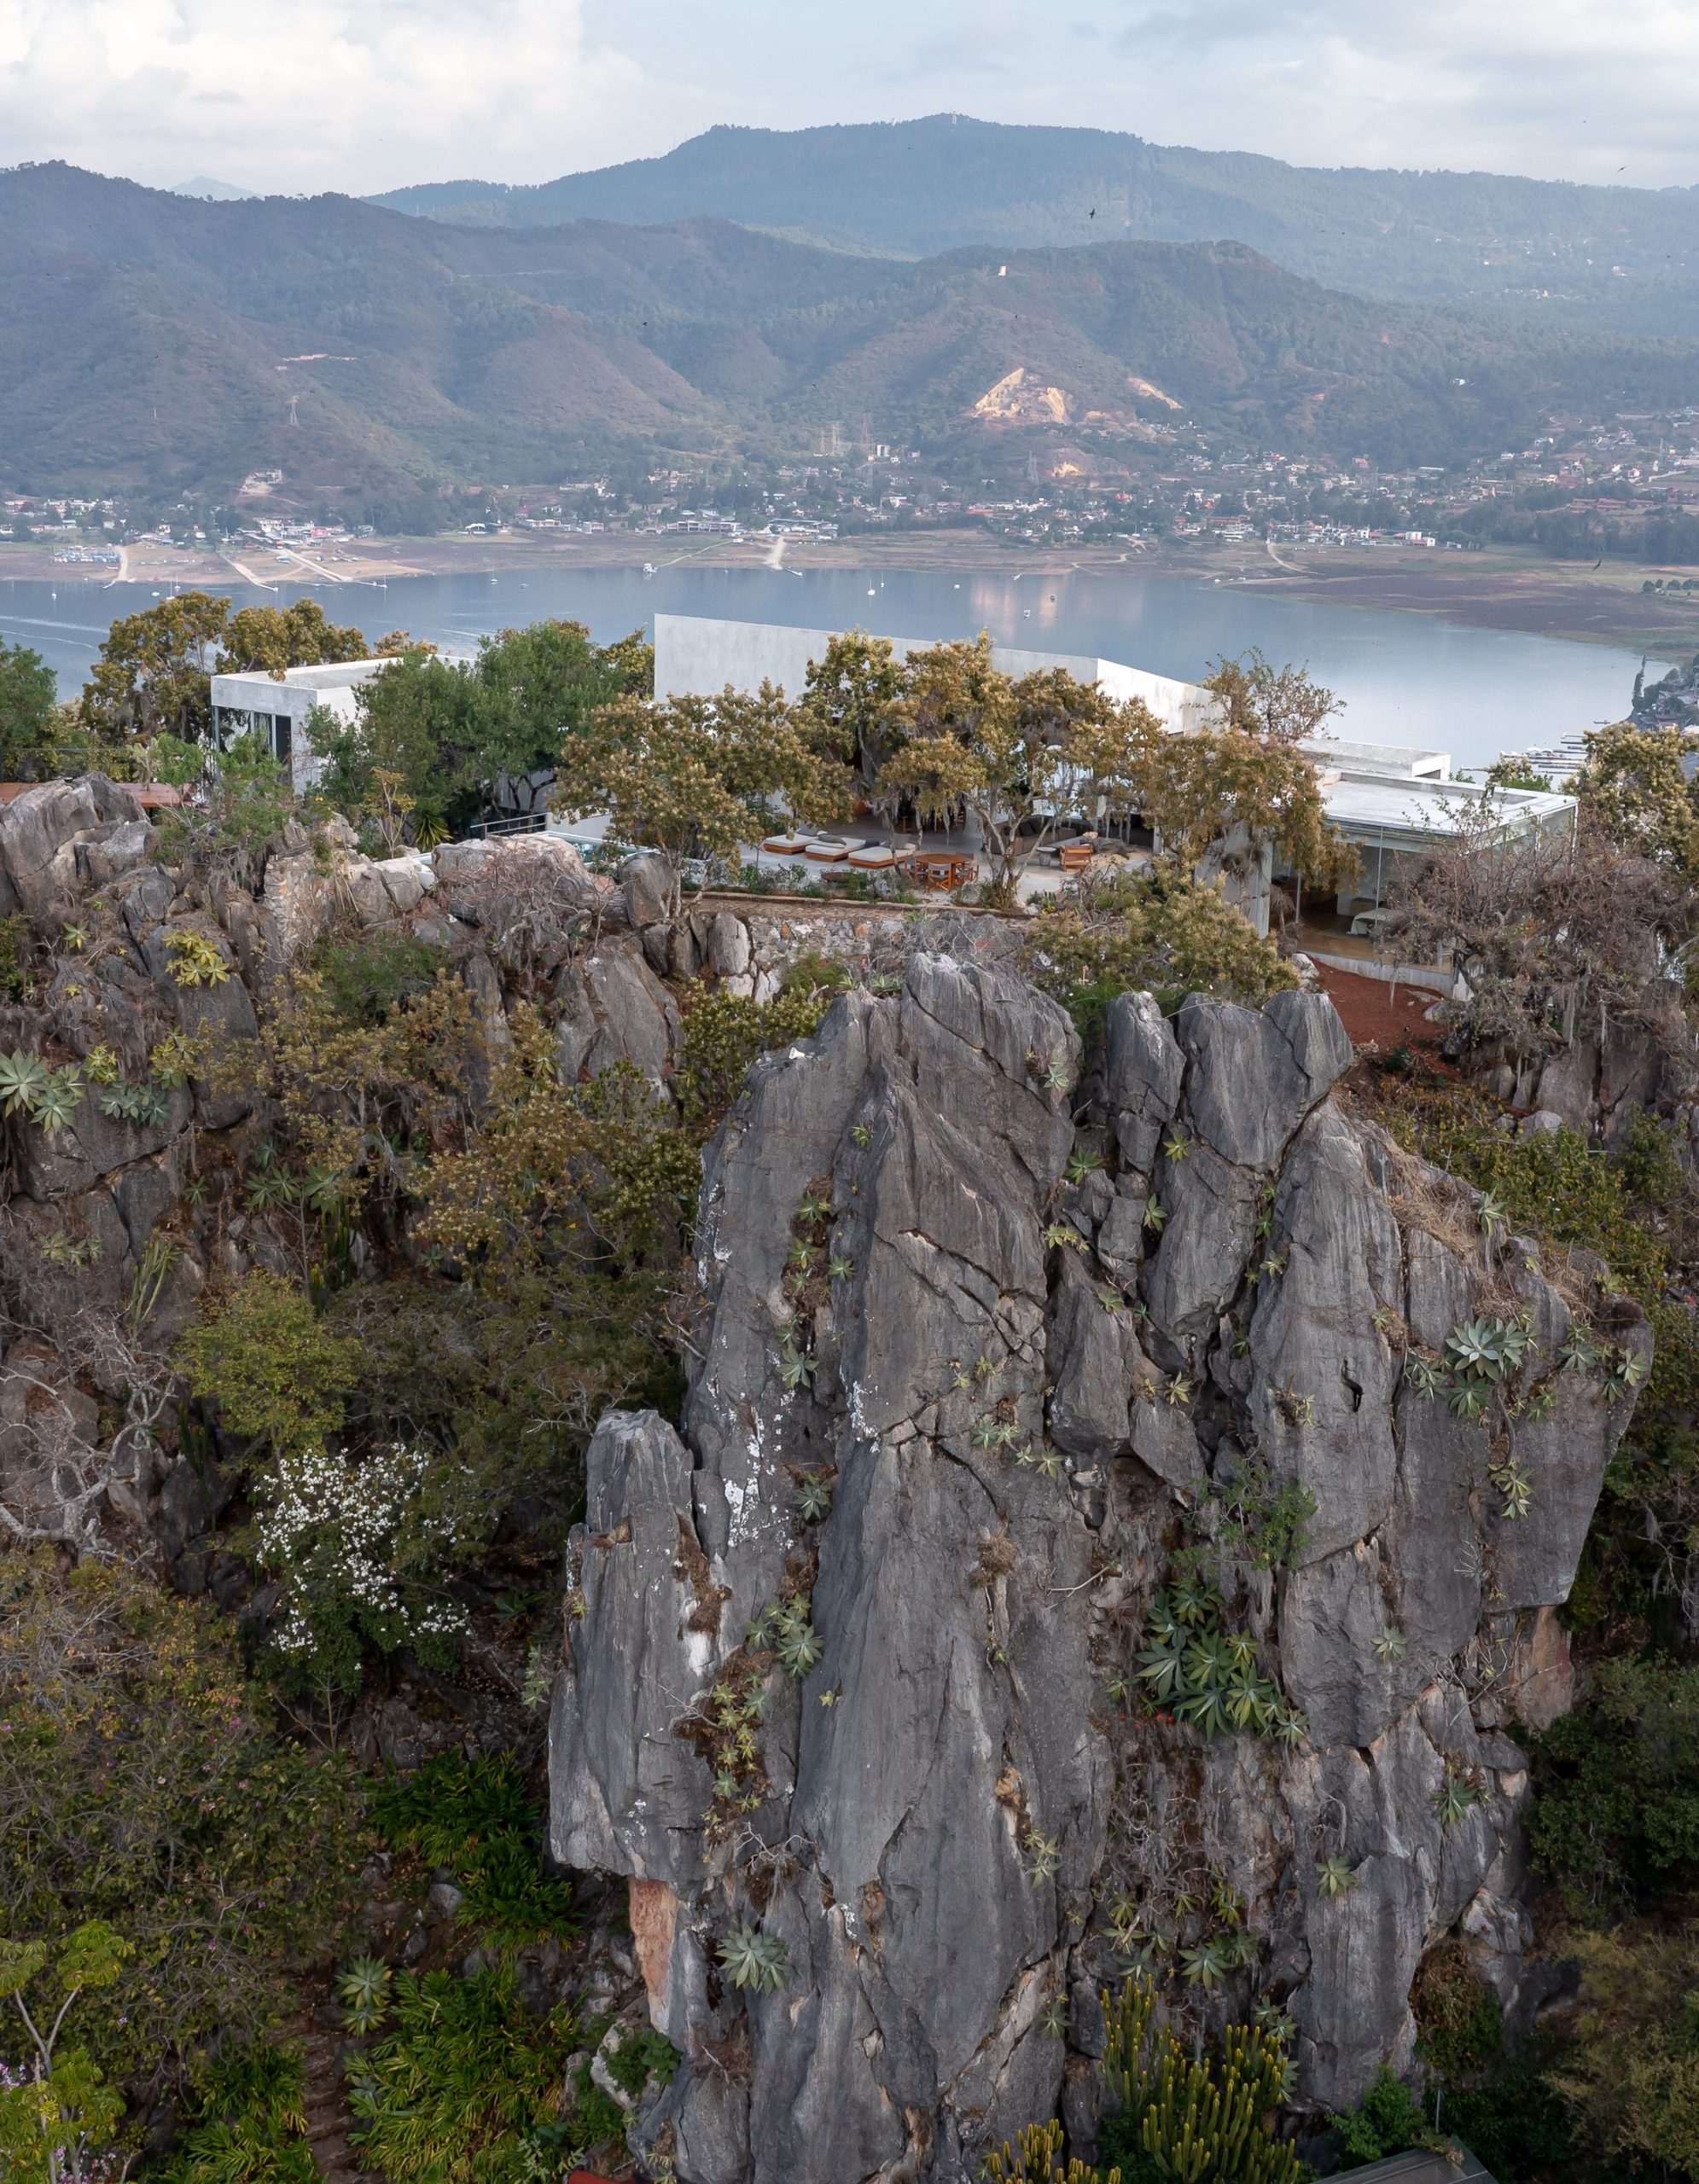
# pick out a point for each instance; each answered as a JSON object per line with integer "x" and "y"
{"x": 148, "y": 338}
{"x": 1626, "y": 258}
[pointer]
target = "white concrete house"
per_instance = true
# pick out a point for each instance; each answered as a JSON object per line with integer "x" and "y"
{"x": 277, "y": 707}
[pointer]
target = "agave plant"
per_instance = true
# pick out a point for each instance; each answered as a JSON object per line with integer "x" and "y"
{"x": 814, "y": 1497}
{"x": 1578, "y": 1352}
{"x": 1062, "y": 1234}
{"x": 1052, "y": 2021}
{"x": 1193, "y": 1601}
{"x": 796, "y": 1370}
{"x": 1082, "y": 1163}
{"x": 1156, "y": 1213}
{"x": 1477, "y": 1348}
{"x": 1454, "y": 1797}
{"x": 753, "y": 1959}
{"x": 1292, "y": 1726}
{"x": 1043, "y": 1855}
{"x": 1627, "y": 1370}
{"x": 1423, "y": 1377}
{"x": 1335, "y": 1875}
{"x": 1392, "y": 1645}
{"x": 1515, "y": 1487}
{"x": 55, "y": 1105}
{"x": 1468, "y": 1398}
{"x": 1176, "y": 1146}
{"x": 23, "y": 1078}
{"x": 1042, "y": 1459}
{"x": 363, "y": 1990}
{"x": 839, "y": 1268}
{"x": 1210, "y": 1961}
{"x": 799, "y": 1646}
{"x": 1205, "y": 1707}
{"x": 1163, "y": 1667}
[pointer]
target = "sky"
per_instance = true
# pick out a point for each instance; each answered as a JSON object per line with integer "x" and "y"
{"x": 303, "y": 95}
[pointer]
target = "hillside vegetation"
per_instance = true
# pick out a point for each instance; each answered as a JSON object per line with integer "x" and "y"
{"x": 151, "y": 338}
{"x": 1628, "y": 259}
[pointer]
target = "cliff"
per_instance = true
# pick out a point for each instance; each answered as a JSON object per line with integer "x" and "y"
{"x": 1060, "y": 1353}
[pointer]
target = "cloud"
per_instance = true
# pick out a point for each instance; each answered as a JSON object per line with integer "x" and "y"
{"x": 310, "y": 94}
{"x": 361, "y": 95}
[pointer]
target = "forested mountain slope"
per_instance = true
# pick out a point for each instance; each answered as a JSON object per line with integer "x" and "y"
{"x": 1628, "y": 259}
{"x": 148, "y": 337}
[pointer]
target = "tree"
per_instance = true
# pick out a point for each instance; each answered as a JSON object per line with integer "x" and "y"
{"x": 268, "y": 640}
{"x": 408, "y": 748}
{"x": 1197, "y": 790}
{"x": 847, "y": 701}
{"x": 696, "y": 777}
{"x": 1020, "y": 756}
{"x": 1278, "y": 705}
{"x": 154, "y": 671}
{"x": 28, "y": 702}
{"x": 536, "y": 685}
{"x": 57, "y": 2120}
{"x": 1635, "y": 789}
{"x": 1515, "y": 770}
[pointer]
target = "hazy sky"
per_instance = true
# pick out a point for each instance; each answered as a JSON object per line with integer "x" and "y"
{"x": 363, "y": 94}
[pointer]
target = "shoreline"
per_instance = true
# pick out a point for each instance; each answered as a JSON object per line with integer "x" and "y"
{"x": 1495, "y": 589}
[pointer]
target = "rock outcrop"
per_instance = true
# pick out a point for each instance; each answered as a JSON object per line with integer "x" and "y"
{"x": 1042, "y": 1358}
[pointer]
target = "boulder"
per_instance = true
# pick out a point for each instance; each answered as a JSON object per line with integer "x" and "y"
{"x": 37, "y": 826}
{"x": 614, "y": 1009}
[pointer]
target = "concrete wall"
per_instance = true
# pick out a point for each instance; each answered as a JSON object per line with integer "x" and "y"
{"x": 696, "y": 654}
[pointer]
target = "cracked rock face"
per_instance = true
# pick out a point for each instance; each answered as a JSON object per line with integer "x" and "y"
{"x": 1028, "y": 1375}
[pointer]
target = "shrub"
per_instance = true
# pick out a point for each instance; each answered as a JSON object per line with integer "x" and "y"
{"x": 141, "y": 1783}
{"x": 1158, "y": 932}
{"x": 1386, "y": 2121}
{"x": 364, "y": 980}
{"x": 725, "y": 1032}
{"x": 1616, "y": 1817}
{"x": 468, "y": 2086}
{"x": 1629, "y": 2075}
{"x": 476, "y": 1817}
{"x": 251, "y": 2126}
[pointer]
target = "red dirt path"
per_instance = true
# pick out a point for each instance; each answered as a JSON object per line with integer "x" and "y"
{"x": 1373, "y": 1011}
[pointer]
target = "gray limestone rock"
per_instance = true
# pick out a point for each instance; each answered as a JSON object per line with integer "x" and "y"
{"x": 614, "y": 1009}
{"x": 947, "y": 1798}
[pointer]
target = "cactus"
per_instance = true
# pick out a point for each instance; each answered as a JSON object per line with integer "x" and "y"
{"x": 1200, "y": 2120}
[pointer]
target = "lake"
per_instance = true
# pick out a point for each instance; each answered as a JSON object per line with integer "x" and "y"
{"x": 1405, "y": 678}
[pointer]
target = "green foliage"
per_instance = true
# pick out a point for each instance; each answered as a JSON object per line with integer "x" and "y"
{"x": 154, "y": 671}
{"x": 28, "y": 694}
{"x": 251, "y": 2125}
{"x": 278, "y": 1374}
{"x": 1616, "y": 1817}
{"x": 1628, "y": 2074}
{"x": 1198, "y": 2118}
{"x": 365, "y": 977}
{"x": 725, "y": 1032}
{"x": 476, "y": 1817}
{"x": 1204, "y": 1675}
{"x": 1386, "y": 2121}
{"x": 244, "y": 803}
{"x": 698, "y": 777}
{"x": 1159, "y": 932}
{"x": 432, "y": 738}
{"x": 1266, "y": 1518}
{"x": 267, "y": 640}
{"x": 142, "y": 1785}
{"x": 15, "y": 957}
{"x": 466, "y": 2085}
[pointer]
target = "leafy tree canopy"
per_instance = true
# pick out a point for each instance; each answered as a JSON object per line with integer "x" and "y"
{"x": 27, "y": 697}
{"x": 268, "y": 640}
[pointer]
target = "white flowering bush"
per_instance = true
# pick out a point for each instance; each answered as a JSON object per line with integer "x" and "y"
{"x": 341, "y": 1539}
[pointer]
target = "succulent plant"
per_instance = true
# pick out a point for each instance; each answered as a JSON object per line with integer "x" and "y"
{"x": 814, "y": 1497}
{"x": 753, "y": 1959}
{"x": 1335, "y": 1875}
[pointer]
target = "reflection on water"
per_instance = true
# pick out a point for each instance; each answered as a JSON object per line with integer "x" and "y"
{"x": 1405, "y": 678}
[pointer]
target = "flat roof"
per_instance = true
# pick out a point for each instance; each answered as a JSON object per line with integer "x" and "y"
{"x": 1374, "y": 803}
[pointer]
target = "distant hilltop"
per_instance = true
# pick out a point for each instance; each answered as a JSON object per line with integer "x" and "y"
{"x": 1626, "y": 258}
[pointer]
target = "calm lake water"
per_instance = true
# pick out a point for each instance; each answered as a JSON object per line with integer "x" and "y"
{"x": 1405, "y": 678}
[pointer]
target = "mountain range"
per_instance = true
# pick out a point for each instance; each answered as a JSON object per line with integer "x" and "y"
{"x": 1628, "y": 259}
{"x": 153, "y": 339}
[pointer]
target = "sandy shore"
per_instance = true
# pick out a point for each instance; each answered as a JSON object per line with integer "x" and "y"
{"x": 1492, "y": 589}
